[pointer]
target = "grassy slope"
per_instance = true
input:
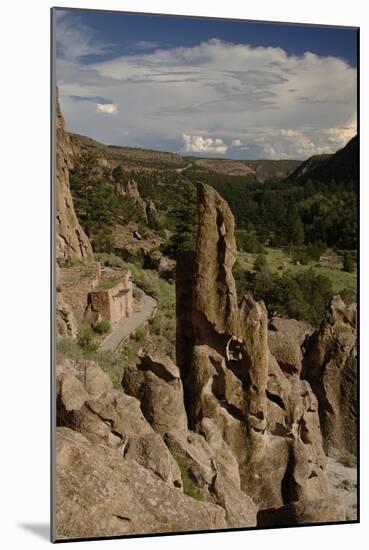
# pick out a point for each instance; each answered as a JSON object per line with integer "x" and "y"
{"x": 277, "y": 257}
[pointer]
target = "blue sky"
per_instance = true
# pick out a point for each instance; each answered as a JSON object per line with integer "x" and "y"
{"x": 207, "y": 87}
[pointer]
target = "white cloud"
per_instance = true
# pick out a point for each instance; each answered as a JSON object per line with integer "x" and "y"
{"x": 280, "y": 105}
{"x": 199, "y": 144}
{"x": 146, "y": 45}
{"x": 107, "y": 108}
{"x": 76, "y": 40}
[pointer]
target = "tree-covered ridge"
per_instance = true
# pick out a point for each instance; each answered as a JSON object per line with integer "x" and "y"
{"x": 281, "y": 212}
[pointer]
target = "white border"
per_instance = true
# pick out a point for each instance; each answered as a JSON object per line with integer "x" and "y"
{"x": 25, "y": 239}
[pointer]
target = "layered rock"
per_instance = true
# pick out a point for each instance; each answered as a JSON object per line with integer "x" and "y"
{"x": 331, "y": 368}
{"x": 71, "y": 240}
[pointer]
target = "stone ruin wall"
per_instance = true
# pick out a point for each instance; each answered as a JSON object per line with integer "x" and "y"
{"x": 116, "y": 303}
{"x": 76, "y": 283}
{"x": 78, "y": 288}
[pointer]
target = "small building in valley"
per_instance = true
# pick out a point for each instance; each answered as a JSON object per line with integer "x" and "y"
{"x": 112, "y": 299}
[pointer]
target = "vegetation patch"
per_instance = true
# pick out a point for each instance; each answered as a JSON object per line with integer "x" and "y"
{"x": 111, "y": 364}
{"x": 189, "y": 487}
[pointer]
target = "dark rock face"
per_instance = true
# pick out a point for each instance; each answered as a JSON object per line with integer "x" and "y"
{"x": 342, "y": 166}
{"x": 303, "y": 512}
{"x": 331, "y": 368}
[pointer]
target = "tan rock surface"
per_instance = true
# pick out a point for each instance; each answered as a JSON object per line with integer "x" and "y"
{"x": 156, "y": 383}
{"x": 87, "y": 403}
{"x": 331, "y": 368}
{"x": 71, "y": 240}
{"x": 98, "y": 494}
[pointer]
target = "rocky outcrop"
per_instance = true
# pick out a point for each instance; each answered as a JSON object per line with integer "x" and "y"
{"x": 102, "y": 425}
{"x": 87, "y": 403}
{"x": 156, "y": 383}
{"x": 231, "y": 437}
{"x": 66, "y": 323}
{"x": 98, "y": 494}
{"x": 331, "y": 368}
{"x": 147, "y": 208}
{"x": 214, "y": 475}
{"x": 214, "y": 299}
{"x": 239, "y": 395}
{"x": 71, "y": 240}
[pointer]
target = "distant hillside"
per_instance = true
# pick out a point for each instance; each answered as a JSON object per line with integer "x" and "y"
{"x": 255, "y": 171}
{"x": 133, "y": 158}
{"x": 341, "y": 166}
{"x": 146, "y": 160}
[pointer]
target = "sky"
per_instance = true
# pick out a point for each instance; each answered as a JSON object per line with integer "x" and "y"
{"x": 216, "y": 88}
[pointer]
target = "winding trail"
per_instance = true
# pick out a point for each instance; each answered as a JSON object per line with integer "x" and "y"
{"x": 130, "y": 324}
{"x": 180, "y": 170}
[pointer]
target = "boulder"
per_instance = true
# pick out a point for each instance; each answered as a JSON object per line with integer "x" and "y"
{"x": 156, "y": 383}
{"x": 296, "y": 330}
{"x": 286, "y": 351}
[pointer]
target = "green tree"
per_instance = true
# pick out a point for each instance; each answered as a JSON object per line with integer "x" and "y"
{"x": 260, "y": 263}
{"x": 118, "y": 173}
{"x": 348, "y": 262}
{"x": 184, "y": 235}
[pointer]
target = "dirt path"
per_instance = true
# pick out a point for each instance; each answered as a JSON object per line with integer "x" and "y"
{"x": 180, "y": 170}
{"x": 130, "y": 324}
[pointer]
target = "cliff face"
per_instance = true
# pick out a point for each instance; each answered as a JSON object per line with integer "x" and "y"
{"x": 71, "y": 240}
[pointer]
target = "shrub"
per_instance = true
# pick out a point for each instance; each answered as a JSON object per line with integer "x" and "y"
{"x": 137, "y": 293}
{"x": 110, "y": 260}
{"x": 102, "y": 327}
{"x": 189, "y": 487}
{"x": 111, "y": 364}
{"x": 348, "y": 263}
{"x": 348, "y": 295}
{"x": 260, "y": 263}
{"x": 139, "y": 335}
{"x": 303, "y": 295}
{"x": 249, "y": 242}
{"x": 349, "y": 460}
{"x": 86, "y": 340}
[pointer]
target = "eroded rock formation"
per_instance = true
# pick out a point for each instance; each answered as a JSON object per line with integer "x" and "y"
{"x": 231, "y": 437}
{"x": 237, "y": 392}
{"x": 71, "y": 240}
{"x": 331, "y": 368}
